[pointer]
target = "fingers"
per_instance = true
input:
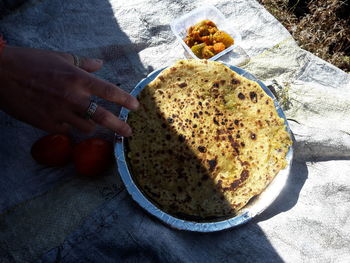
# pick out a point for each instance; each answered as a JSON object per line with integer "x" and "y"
{"x": 100, "y": 87}
{"x": 84, "y": 125}
{"x": 59, "y": 128}
{"x": 90, "y": 64}
{"x": 112, "y": 93}
{"x": 87, "y": 64}
{"x": 110, "y": 121}
{"x": 74, "y": 113}
{"x": 53, "y": 127}
{"x": 101, "y": 116}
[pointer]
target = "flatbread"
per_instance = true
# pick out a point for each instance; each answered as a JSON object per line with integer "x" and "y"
{"x": 205, "y": 140}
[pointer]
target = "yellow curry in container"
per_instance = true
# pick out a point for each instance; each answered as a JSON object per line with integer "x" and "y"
{"x": 206, "y": 40}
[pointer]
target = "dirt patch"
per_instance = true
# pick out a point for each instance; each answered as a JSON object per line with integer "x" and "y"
{"x": 319, "y": 26}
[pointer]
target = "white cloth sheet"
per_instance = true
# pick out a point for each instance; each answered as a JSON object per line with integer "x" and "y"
{"x": 50, "y": 214}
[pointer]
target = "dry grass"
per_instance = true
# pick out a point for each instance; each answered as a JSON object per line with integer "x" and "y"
{"x": 319, "y": 26}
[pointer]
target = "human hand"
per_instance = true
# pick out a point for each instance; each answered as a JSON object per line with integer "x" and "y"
{"x": 46, "y": 90}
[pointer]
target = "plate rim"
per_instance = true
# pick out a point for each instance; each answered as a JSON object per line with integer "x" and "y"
{"x": 247, "y": 213}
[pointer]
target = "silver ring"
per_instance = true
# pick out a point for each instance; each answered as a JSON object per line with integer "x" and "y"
{"x": 91, "y": 110}
{"x": 76, "y": 60}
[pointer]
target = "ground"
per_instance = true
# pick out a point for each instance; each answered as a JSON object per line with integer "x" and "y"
{"x": 319, "y": 26}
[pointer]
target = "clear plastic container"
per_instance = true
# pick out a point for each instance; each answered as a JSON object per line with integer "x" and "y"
{"x": 180, "y": 25}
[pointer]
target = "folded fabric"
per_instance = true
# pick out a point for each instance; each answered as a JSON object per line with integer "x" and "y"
{"x": 50, "y": 215}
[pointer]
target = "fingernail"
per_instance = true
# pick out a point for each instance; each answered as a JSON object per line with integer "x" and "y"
{"x": 135, "y": 104}
{"x": 99, "y": 61}
{"x": 128, "y": 132}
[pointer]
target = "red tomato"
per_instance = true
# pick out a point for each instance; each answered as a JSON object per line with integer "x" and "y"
{"x": 53, "y": 150}
{"x": 92, "y": 156}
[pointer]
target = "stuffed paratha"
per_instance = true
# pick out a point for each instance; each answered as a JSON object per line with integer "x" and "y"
{"x": 205, "y": 140}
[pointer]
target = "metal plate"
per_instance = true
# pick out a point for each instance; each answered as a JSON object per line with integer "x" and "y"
{"x": 254, "y": 207}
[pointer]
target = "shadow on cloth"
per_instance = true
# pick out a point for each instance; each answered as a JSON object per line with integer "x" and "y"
{"x": 40, "y": 206}
{"x": 299, "y": 174}
{"x": 119, "y": 230}
{"x": 21, "y": 177}
{"x": 290, "y": 193}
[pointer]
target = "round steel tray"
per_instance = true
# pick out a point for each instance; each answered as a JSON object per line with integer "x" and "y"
{"x": 257, "y": 205}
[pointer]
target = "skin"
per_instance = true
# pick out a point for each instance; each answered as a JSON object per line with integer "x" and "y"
{"x": 45, "y": 89}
